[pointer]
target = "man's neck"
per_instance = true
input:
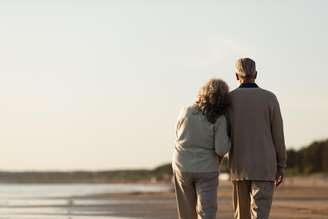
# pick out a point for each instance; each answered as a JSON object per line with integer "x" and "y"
{"x": 247, "y": 81}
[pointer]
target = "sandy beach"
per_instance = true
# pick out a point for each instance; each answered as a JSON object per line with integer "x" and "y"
{"x": 291, "y": 201}
{"x": 303, "y": 198}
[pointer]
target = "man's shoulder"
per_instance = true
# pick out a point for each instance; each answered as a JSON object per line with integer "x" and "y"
{"x": 259, "y": 91}
{"x": 233, "y": 92}
{"x": 268, "y": 93}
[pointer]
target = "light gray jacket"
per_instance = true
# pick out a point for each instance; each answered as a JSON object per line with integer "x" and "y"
{"x": 199, "y": 142}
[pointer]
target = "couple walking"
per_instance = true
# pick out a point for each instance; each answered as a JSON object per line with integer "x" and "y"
{"x": 247, "y": 124}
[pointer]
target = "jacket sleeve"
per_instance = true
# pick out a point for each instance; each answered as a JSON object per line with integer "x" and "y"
{"x": 179, "y": 120}
{"x": 277, "y": 132}
{"x": 221, "y": 140}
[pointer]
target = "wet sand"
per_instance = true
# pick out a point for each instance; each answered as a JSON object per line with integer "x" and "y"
{"x": 291, "y": 201}
{"x": 298, "y": 198}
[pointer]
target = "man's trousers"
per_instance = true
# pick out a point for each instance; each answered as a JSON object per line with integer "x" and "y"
{"x": 252, "y": 199}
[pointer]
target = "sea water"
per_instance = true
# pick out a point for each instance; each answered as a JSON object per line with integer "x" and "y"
{"x": 56, "y": 201}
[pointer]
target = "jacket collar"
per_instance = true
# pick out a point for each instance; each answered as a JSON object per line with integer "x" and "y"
{"x": 248, "y": 85}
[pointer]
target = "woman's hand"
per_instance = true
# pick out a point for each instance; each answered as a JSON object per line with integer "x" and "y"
{"x": 220, "y": 158}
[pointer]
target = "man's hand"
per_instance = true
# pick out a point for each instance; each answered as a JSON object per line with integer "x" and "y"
{"x": 279, "y": 177}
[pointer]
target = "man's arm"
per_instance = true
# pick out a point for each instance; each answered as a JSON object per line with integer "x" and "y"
{"x": 278, "y": 138}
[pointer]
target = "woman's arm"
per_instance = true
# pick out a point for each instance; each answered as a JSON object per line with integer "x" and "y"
{"x": 179, "y": 120}
{"x": 222, "y": 141}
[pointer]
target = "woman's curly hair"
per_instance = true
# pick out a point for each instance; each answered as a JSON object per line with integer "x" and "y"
{"x": 212, "y": 99}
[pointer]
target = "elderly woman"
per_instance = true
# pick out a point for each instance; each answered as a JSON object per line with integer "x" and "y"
{"x": 201, "y": 141}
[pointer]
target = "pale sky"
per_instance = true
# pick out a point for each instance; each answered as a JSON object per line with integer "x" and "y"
{"x": 98, "y": 85}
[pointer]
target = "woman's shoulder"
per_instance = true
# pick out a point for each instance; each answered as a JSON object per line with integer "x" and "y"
{"x": 221, "y": 119}
{"x": 189, "y": 109}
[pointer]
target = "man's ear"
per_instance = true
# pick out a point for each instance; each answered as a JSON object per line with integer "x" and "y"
{"x": 255, "y": 76}
{"x": 237, "y": 76}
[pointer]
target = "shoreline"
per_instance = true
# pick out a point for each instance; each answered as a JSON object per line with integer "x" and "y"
{"x": 296, "y": 199}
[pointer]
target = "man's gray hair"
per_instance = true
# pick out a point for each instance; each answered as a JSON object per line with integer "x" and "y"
{"x": 245, "y": 67}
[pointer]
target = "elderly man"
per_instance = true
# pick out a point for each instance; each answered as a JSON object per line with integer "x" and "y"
{"x": 258, "y": 154}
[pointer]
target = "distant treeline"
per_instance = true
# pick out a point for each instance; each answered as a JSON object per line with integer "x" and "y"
{"x": 162, "y": 173}
{"x": 308, "y": 160}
